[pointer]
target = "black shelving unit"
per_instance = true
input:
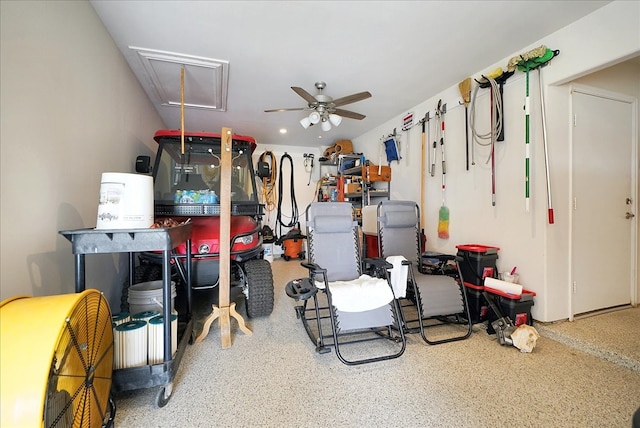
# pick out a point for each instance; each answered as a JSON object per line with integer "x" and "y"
{"x": 132, "y": 241}
{"x": 368, "y": 191}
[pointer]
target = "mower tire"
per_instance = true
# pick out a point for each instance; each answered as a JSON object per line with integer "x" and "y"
{"x": 259, "y": 298}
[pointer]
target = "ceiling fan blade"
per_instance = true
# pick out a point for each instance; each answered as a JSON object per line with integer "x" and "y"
{"x": 284, "y": 109}
{"x": 304, "y": 94}
{"x": 349, "y": 114}
{"x": 352, "y": 98}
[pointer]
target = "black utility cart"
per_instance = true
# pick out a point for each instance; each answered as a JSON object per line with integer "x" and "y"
{"x": 100, "y": 241}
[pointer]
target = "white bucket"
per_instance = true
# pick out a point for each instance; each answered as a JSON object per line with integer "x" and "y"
{"x": 126, "y": 201}
{"x": 147, "y": 296}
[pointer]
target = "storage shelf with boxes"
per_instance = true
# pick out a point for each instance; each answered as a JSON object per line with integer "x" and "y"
{"x": 349, "y": 177}
{"x": 369, "y": 175}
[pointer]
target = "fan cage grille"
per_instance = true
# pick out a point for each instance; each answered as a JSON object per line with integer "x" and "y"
{"x": 81, "y": 369}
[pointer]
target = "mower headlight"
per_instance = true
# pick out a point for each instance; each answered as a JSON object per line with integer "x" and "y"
{"x": 246, "y": 240}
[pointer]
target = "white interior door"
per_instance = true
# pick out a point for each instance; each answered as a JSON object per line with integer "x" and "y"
{"x": 603, "y": 174}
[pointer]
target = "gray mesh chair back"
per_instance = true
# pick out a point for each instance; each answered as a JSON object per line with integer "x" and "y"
{"x": 333, "y": 241}
{"x": 398, "y": 230}
{"x": 436, "y": 296}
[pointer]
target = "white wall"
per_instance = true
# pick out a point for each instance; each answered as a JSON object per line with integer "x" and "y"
{"x": 71, "y": 109}
{"x": 540, "y": 250}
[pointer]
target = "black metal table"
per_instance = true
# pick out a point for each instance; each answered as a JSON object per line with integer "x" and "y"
{"x": 101, "y": 241}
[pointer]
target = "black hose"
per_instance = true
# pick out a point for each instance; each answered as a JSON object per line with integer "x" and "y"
{"x": 294, "y": 206}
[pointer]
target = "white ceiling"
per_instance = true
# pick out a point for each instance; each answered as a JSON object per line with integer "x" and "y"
{"x": 403, "y": 52}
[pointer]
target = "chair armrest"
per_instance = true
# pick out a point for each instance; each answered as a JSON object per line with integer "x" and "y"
{"x": 378, "y": 263}
{"x": 313, "y": 268}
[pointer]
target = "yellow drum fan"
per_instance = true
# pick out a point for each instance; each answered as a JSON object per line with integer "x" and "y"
{"x": 56, "y": 361}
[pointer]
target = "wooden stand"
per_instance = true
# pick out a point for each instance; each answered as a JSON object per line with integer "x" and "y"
{"x": 224, "y": 311}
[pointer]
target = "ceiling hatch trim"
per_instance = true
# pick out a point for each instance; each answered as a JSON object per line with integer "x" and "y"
{"x": 206, "y": 80}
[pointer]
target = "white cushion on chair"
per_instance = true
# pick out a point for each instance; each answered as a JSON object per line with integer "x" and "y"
{"x": 359, "y": 295}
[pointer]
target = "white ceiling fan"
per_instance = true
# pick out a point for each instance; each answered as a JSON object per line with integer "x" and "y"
{"x": 324, "y": 109}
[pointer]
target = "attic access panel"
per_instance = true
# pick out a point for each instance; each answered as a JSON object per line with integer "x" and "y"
{"x": 206, "y": 79}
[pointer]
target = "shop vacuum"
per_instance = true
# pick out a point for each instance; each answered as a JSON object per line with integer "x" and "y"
{"x": 292, "y": 244}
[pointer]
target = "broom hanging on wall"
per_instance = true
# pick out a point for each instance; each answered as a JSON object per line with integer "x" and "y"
{"x": 465, "y": 93}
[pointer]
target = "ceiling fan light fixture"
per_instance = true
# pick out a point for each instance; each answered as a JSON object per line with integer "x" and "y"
{"x": 305, "y": 122}
{"x": 314, "y": 117}
{"x": 323, "y": 108}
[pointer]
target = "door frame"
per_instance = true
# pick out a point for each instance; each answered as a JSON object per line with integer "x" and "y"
{"x": 615, "y": 96}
